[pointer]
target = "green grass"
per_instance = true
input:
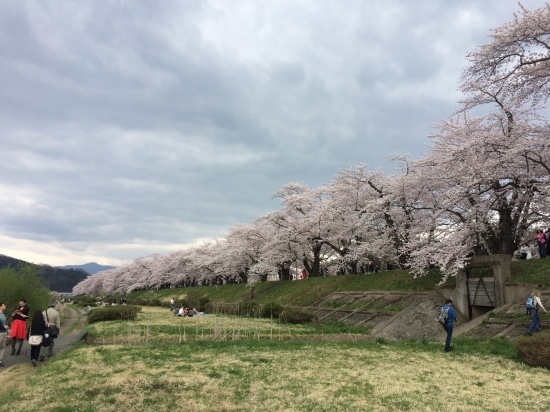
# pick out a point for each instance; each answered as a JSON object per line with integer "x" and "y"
{"x": 532, "y": 271}
{"x": 157, "y": 325}
{"x": 295, "y": 375}
{"x": 304, "y": 292}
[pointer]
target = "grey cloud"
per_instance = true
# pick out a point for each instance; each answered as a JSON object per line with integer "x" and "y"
{"x": 134, "y": 126}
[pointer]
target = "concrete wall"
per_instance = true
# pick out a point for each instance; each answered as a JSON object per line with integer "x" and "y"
{"x": 500, "y": 265}
{"x": 516, "y": 292}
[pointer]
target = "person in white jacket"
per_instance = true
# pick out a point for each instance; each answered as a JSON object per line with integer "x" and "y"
{"x": 525, "y": 252}
{"x": 534, "y": 312}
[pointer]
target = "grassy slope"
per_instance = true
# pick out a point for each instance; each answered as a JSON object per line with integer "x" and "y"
{"x": 309, "y": 291}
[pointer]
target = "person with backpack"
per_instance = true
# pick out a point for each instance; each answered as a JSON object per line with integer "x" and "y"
{"x": 533, "y": 304}
{"x": 447, "y": 316}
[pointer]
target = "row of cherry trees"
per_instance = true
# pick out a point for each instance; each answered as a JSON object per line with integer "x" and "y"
{"x": 482, "y": 188}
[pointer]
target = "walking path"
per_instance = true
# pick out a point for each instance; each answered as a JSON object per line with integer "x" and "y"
{"x": 64, "y": 341}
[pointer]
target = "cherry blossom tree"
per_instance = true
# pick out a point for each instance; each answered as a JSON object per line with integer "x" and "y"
{"x": 376, "y": 208}
{"x": 482, "y": 191}
{"x": 302, "y": 223}
{"x": 515, "y": 65}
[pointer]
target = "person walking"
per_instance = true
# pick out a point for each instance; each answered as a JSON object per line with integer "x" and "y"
{"x": 3, "y": 332}
{"x": 52, "y": 319}
{"x": 19, "y": 326}
{"x": 172, "y": 302}
{"x": 535, "y": 304}
{"x": 38, "y": 327}
{"x": 450, "y": 321}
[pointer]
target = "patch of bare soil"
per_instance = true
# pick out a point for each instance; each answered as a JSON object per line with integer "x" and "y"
{"x": 417, "y": 321}
{"x": 14, "y": 377}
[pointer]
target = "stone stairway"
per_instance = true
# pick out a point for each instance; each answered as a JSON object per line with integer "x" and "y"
{"x": 364, "y": 308}
{"x": 508, "y": 321}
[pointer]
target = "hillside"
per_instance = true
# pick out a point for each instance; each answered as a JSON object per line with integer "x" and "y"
{"x": 55, "y": 279}
{"x": 309, "y": 291}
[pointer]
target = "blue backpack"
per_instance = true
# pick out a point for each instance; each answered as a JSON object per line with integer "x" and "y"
{"x": 443, "y": 317}
{"x": 531, "y": 303}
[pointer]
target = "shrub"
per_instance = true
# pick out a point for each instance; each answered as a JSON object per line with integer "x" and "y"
{"x": 296, "y": 316}
{"x": 145, "y": 302}
{"x": 192, "y": 298}
{"x": 85, "y": 300}
{"x": 128, "y": 312}
{"x": 155, "y": 302}
{"x": 535, "y": 350}
{"x": 248, "y": 309}
{"x": 203, "y": 302}
{"x": 271, "y": 310}
{"x": 222, "y": 308}
{"x": 209, "y": 307}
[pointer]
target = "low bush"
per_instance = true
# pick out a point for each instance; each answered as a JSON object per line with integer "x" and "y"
{"x": 203, "y": 301}
{"x": 271, "y": 310}
{"x": 221, "y": 308}
{"x": 249, "y": 309}
{"x": 296, "y": 316}
{"x": 85, "y": 300}
{"x": 535, "y": 350}
{"x": 145, "y": 302}
{"x": 127, "y": 312}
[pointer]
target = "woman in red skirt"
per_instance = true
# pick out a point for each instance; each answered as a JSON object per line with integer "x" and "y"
{"x": 19, "y": 326}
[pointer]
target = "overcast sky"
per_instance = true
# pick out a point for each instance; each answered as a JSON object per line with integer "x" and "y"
{"x": 129, "y": 128}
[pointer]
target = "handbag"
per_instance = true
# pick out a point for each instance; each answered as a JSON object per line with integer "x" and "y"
{"x": 35, "y": 340}
{"x": 52, "y": 330}
{"x": 47, "y": 340}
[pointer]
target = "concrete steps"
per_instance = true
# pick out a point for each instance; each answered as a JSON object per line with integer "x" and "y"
{"x": 403, "y": 315}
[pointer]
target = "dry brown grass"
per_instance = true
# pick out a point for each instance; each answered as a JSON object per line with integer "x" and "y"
{"x": 14, "y": 377}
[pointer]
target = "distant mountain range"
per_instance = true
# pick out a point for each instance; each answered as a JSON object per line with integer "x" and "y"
{"x": 92, "y": 268}
{"x": 56, "y": 279}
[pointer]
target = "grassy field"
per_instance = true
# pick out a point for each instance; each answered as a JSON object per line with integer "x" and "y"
{"x": 311, "y": 290}
{"x": 270, "y": 367}
{"x": 158, "y": 325}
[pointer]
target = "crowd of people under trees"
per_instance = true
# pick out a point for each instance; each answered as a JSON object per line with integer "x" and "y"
{"x": 482, "y": 188}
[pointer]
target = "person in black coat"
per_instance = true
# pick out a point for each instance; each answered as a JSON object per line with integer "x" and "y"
{"x": 38, "y": 327}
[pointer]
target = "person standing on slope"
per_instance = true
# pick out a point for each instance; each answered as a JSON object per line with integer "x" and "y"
{"x": 535, "y": 304}
{"x": 449, "y": 323}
